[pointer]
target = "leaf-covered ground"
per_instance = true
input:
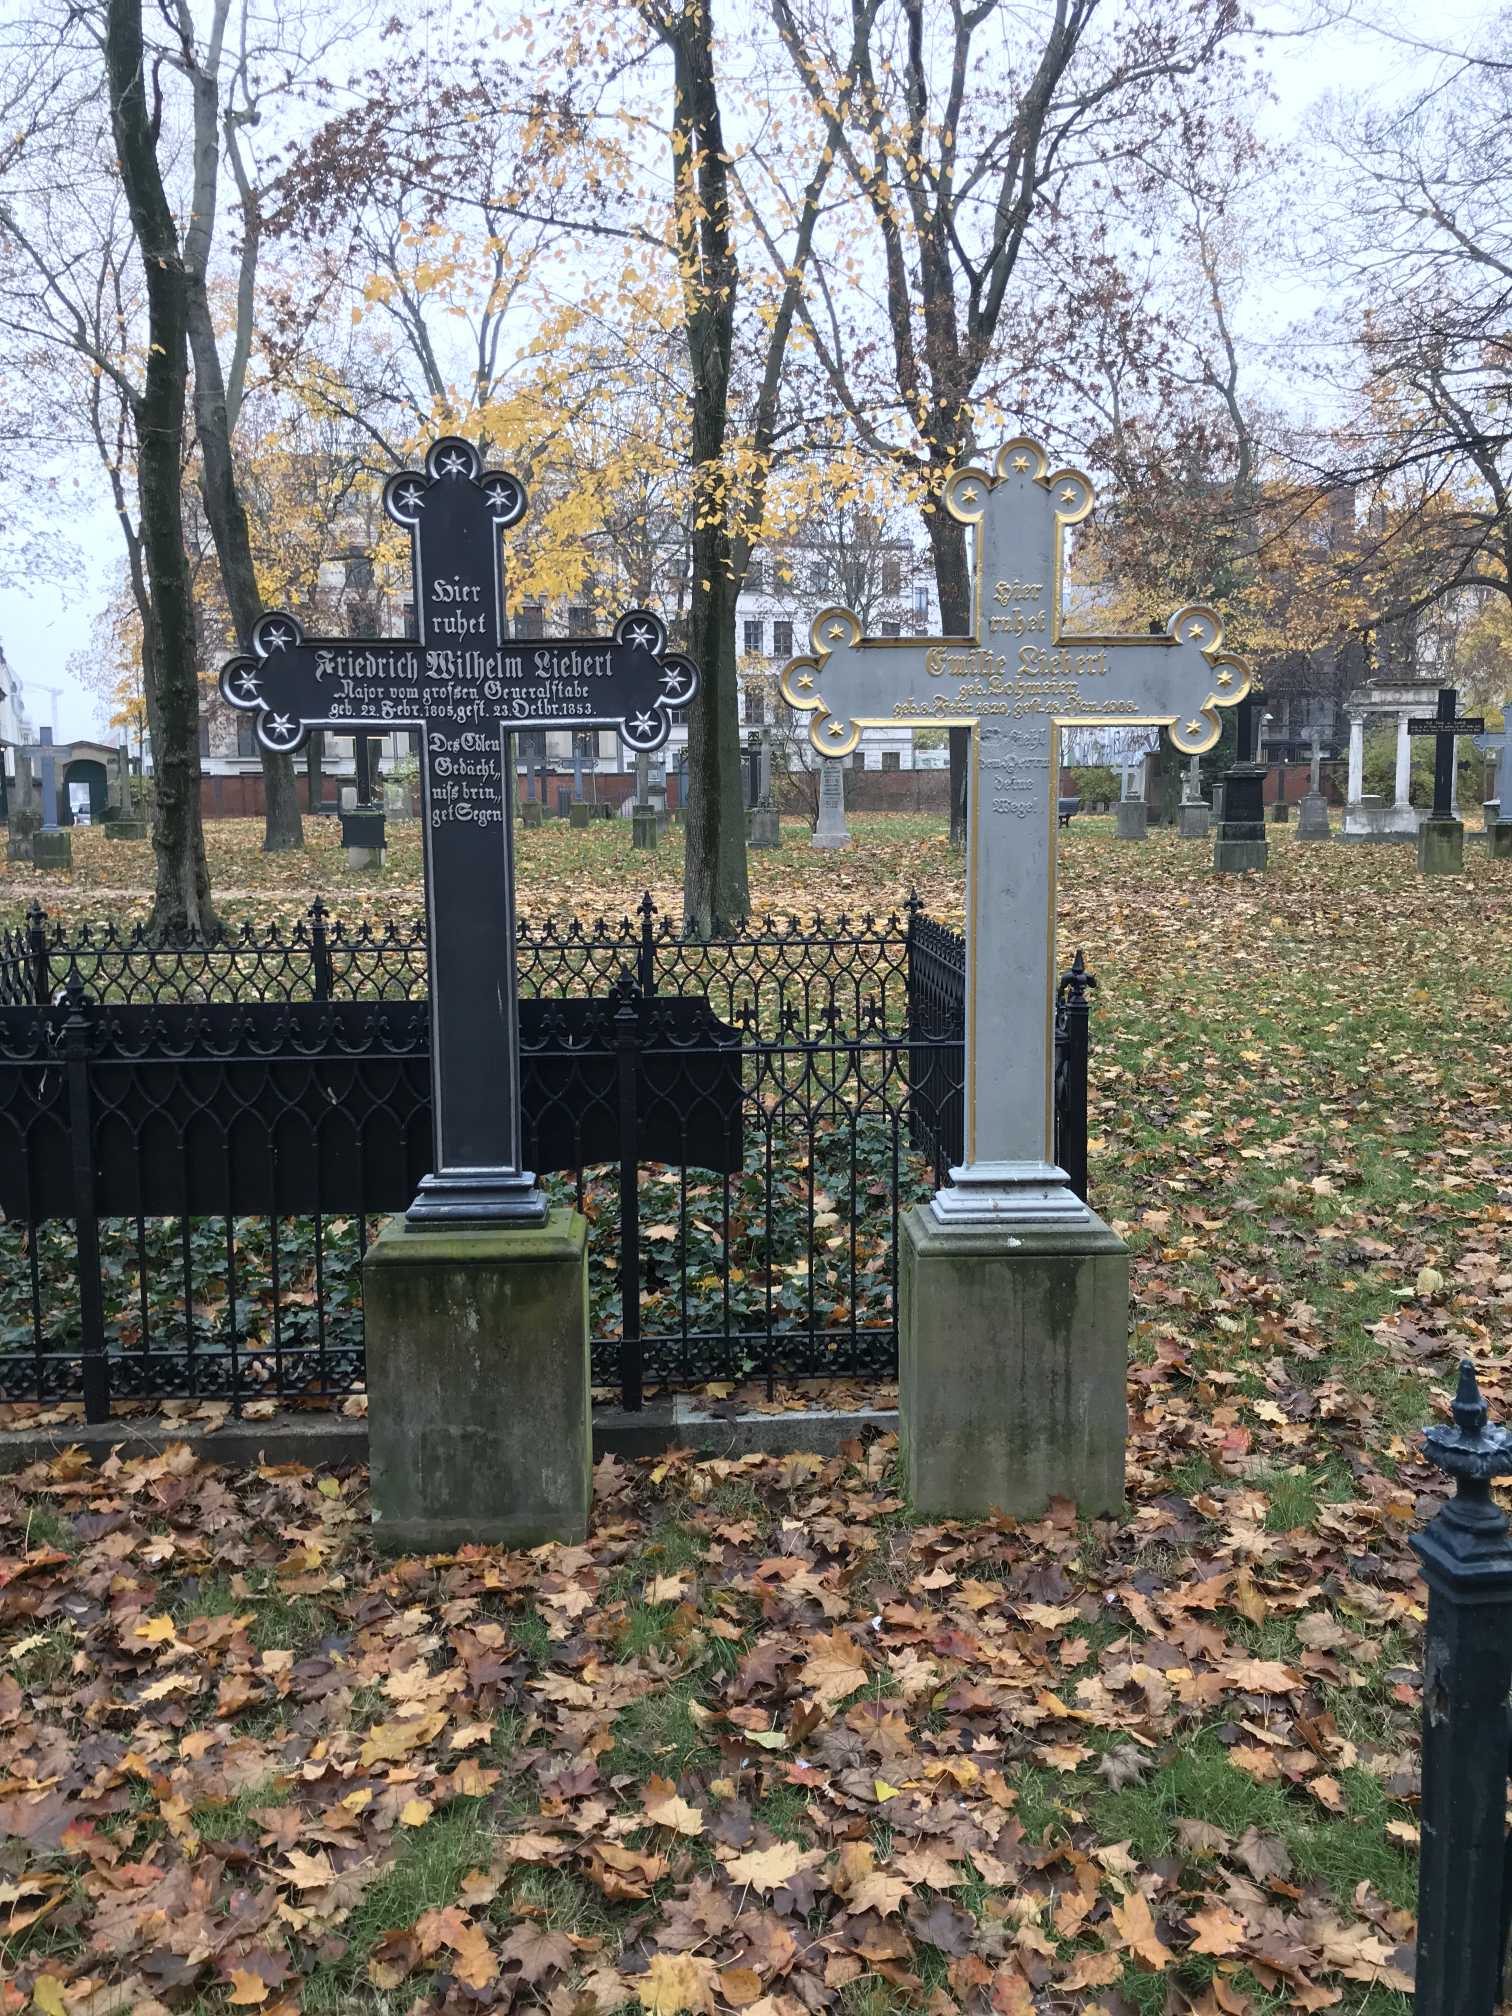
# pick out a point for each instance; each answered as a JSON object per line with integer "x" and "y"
{"x": 767, "y": 1743}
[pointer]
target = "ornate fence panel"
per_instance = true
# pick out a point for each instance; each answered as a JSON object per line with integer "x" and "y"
{"x": 195, "y": 1141}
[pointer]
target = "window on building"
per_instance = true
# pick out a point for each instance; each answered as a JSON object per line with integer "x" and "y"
{"x": 246, "y": 735}
{"x": 920, "y": 599}
{"x": 891, "y": 629}
{"x": 755, "y": 578}
{"x": 892, "y": 759}
{"x": 579, "y": 621}
{"x": 530, "y": 621}
{"x": 753, "y": 634}
{"x": 892, "y": 574}
{"x": 819, "y": 578}
{"x": 782, "y": 640}
{"x": 755, "y": 702}
{"x": 204, "y": 735}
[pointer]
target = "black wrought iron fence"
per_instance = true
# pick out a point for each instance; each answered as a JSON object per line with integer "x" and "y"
{"x": 196, "y": 1139}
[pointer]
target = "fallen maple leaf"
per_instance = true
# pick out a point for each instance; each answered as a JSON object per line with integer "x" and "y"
{"x": 665, "y": 1808}
{"x": 677, "y": 1982}
{"x": 835, "y": 1668}
{"x": 537, "y": 1952}
{"x": 770, "y": 1868}
{"x": 1137, "y": 1933}
{"x": 1217, "y": 1930}
{"x": 247, "y": 1988}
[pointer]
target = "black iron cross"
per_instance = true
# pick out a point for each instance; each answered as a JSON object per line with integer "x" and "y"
{"x": 465, "y": 686}
{"x": 1446, "y": 725}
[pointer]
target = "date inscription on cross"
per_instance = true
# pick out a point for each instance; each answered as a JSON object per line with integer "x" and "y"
{"x": 1021, "y": 674}
{"x": 467, "y": 688}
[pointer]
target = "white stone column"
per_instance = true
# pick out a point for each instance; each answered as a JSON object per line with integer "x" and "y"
{"x": 1356, "y": 757}
{"x": 1403, "y": 795}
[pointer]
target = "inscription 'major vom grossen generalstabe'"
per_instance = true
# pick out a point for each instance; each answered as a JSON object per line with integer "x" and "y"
{"x": 464, "y": 686}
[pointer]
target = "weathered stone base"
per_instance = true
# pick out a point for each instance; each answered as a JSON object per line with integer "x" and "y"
{"x": 1279, "y": 813}
{"x": 1193, "y": 821}
{"x": 577, "y": 815}
{"x": 1240, "y": 847}
{"x": 478, "y": 1384}
{"x": 831, "y": 841}
{"x": 125, "y": 829}
{"x": 360, "y": 859}
{"x": 532, "y": 812}
{"x": 1312, "y": 818}
{"x": 644, "y": 830}
{"x": 52, "y": 850}
{"x": 19, "y": 849}
{"x": 1012, "y": 1355}
{"x": 1441, "y": 847}
{"x": 765, "y": 827}
{"x": 1499, "y": 840}
{"x": 1133, "y": 819}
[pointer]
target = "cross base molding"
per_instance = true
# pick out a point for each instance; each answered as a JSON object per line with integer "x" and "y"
{"x": 1009, "y": 1193}
{"x": 454, "y": 1198}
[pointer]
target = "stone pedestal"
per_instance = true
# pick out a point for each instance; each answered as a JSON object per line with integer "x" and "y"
{"x": 1499, "y": 839}
{"x": 1280, "y": 812}
{"x": 1441, "y": 846}
{"x": 363, "y": 836}
{"x": 1013, "y": 1348}
{"x": 1133, "y": 819}
{"x": 1239, "y": 844}
{"x": 52, "y": 850}
{"x": 577, "y": 815}
{"x": 1312, "y": 818}
{"x": 396, "y": 799}
{"x": 478, "y": 1385}
{"x": 126, "y": 829}
{"x": 765, "y": 828}
{"x": 644, "y": 829}
{"x": 1193, "y": 820}
{"x": 532, "y": 812}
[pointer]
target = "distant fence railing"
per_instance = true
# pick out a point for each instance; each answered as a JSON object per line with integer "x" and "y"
{"x": 196, "y": 1138}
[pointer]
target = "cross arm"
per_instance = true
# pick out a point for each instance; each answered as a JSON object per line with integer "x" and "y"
{"x": 292, "y": 683}
{"x": 1018, "y": 660}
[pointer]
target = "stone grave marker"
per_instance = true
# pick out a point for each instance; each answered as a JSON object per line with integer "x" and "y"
{"x": 644, "y": 831}
{"x": 1498, "y": 810}
{"x": 831, "y": 831}
{"x": 1192, "y": 814}
{"x": 1441, "y": 837}
{"x": 476, "y": 1299}
{"x": 764, "y": 827}
{"x": 1133, "y": 817}
{"x": 1014, "y": 1294}
{"x": 51, "y": 844}
{"x": 1312, "y": 814}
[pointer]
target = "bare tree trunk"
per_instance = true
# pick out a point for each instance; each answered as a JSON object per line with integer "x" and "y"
{"x": 218, "y": 485}
{"x": 182, "y": 899}
{"x": 947, "y": 542}
{"x": 716, "y": 892}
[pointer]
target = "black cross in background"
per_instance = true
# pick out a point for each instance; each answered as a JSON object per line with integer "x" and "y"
{"x": 465, "y": 687}
{"x": 1446, "y": 727}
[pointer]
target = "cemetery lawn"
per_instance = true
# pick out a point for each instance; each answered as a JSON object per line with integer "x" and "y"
{"x": 768, "y": 1742}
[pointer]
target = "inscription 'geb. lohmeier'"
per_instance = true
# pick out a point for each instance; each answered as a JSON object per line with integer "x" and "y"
{"x": 464, "y": 684}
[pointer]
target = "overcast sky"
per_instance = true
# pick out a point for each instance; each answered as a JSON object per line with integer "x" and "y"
{"x": 44, "y": 622}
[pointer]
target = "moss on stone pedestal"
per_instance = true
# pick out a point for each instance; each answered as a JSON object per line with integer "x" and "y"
{"x": 52, "y": 850}
{"x": 478, "y": 1384}
{"x": 1499, "y": 840}
{"x": 1013, "y": 1346}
